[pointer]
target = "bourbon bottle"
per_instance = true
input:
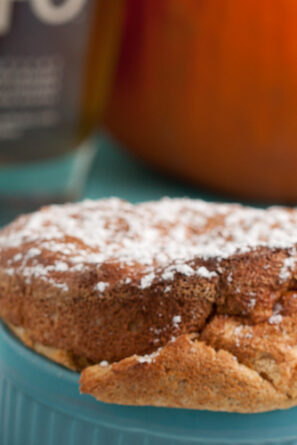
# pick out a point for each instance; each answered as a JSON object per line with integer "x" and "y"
{"x": 56, "y": 64}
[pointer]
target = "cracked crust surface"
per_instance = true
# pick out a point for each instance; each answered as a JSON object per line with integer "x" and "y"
{"x": 187, "y": 373}
{"x": 210, "y": 287}
{"x": 228, "y": 366}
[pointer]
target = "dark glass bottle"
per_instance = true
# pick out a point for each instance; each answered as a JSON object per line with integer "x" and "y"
{"x": 56, "y": 64}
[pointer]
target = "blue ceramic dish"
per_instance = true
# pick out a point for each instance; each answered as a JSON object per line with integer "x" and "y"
{"x": 40, "y": 404}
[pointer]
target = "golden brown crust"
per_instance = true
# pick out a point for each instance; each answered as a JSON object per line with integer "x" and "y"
{"x": 80, "y": 300}
{"x": 187, "y": 374}
{"x": 229, "y": 366}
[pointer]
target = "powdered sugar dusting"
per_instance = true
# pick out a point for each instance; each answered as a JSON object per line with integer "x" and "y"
{"x": 101, "y": 286}
{"x": 161, "y": 239}
{"x": 252, "y": 303}
{"x": 242, "y": 332}
{"x": 275, "y": 319}
{"x": 61, "y": 286}
{"x": 176, "y": 320}
{"x": 147, "y": 280}
{"x": 288, "y": 266}
{"x": 238, "y": 330}
{"x": 17, "y": 257}
{"x": 148, "y": 358}
{"x": 205, "y": 273}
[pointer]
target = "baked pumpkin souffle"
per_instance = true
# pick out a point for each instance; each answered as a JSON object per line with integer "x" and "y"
{"x": 176, "y": 303}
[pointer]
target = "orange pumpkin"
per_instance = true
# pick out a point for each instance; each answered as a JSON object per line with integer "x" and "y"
{"x": 207, "y": 90}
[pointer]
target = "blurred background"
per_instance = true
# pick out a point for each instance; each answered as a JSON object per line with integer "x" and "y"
{"x": 146, "y": 98}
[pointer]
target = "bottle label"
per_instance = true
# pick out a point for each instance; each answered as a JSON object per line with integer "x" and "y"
{"x": 46, "y": 11}
{"x": 43, "y": 57}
